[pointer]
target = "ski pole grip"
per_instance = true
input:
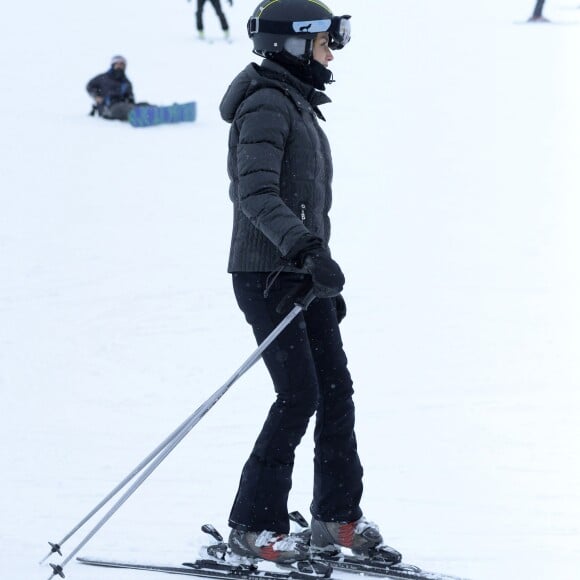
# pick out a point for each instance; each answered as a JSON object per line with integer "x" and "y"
{"x": 297, "y": 297}
{"x": 305, "y": 301}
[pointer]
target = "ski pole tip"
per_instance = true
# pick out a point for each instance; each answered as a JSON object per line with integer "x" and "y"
{"x": 54, "y": 548}
{"x": 56, "y": 571}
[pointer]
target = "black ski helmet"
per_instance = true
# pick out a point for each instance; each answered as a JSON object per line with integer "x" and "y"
{"x": 290, "y": 26}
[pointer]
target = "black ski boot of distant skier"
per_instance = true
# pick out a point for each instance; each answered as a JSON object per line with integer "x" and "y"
{"x": 368, "y": 555}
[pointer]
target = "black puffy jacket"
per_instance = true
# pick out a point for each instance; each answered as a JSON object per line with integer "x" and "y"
{"x": 111, "y": 88}
{"x": 279, "y": 164}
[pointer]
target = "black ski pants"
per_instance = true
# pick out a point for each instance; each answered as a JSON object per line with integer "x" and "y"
{"x": 309, "y": 370}
{"x": 218, "y": 10}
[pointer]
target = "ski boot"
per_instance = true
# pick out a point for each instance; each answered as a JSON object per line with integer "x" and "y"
{"x": 362, "y": 537}
{"x": 267, "y": 545}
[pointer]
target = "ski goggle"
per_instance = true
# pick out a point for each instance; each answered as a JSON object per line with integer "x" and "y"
{"x": 338, "y": 28}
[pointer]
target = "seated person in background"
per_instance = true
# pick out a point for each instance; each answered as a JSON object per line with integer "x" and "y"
{"x": 112, "y": 91}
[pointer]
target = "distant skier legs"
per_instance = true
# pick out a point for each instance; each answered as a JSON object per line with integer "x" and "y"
{"x": 218, "y": 9}
{"x": 537, "y": 15}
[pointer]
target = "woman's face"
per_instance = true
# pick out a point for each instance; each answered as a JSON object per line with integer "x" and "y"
{"x": 321, "y": 52}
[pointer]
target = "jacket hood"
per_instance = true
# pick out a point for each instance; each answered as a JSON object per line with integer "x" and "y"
{"x": 268, "y": 75}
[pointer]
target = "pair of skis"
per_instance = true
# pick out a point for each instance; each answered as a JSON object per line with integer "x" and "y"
{"x": 211, "y": 569}
{"x": 208, "y": 568}
{"x": 218, "y": 564}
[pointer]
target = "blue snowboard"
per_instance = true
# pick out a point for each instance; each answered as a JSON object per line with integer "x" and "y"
{"x": 149, "y": 115}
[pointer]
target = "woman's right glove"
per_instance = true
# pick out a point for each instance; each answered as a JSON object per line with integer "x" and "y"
{"x": 327, "y": 277}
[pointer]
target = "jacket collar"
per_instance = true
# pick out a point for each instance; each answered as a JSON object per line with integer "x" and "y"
{"x": 270, "y": 74}
{"x": 313, "y": 96}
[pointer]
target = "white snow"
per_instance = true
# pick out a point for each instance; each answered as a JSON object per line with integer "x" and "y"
{"x": 456, "y": 135}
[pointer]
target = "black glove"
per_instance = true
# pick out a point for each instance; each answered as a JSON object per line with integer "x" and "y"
{"x": 327, "y": 277}
{"x": 340, "y": 307}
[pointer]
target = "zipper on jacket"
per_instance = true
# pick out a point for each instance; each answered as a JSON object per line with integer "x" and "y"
{"x": 303, "y": 212}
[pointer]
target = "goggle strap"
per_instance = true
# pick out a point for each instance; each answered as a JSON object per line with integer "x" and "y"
{"x": 256, "y": 25}
{"x": 262, "y": 25}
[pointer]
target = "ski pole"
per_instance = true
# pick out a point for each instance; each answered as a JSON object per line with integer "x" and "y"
{"x": 155, "y": 458}
{"x": 56, "y": 547}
